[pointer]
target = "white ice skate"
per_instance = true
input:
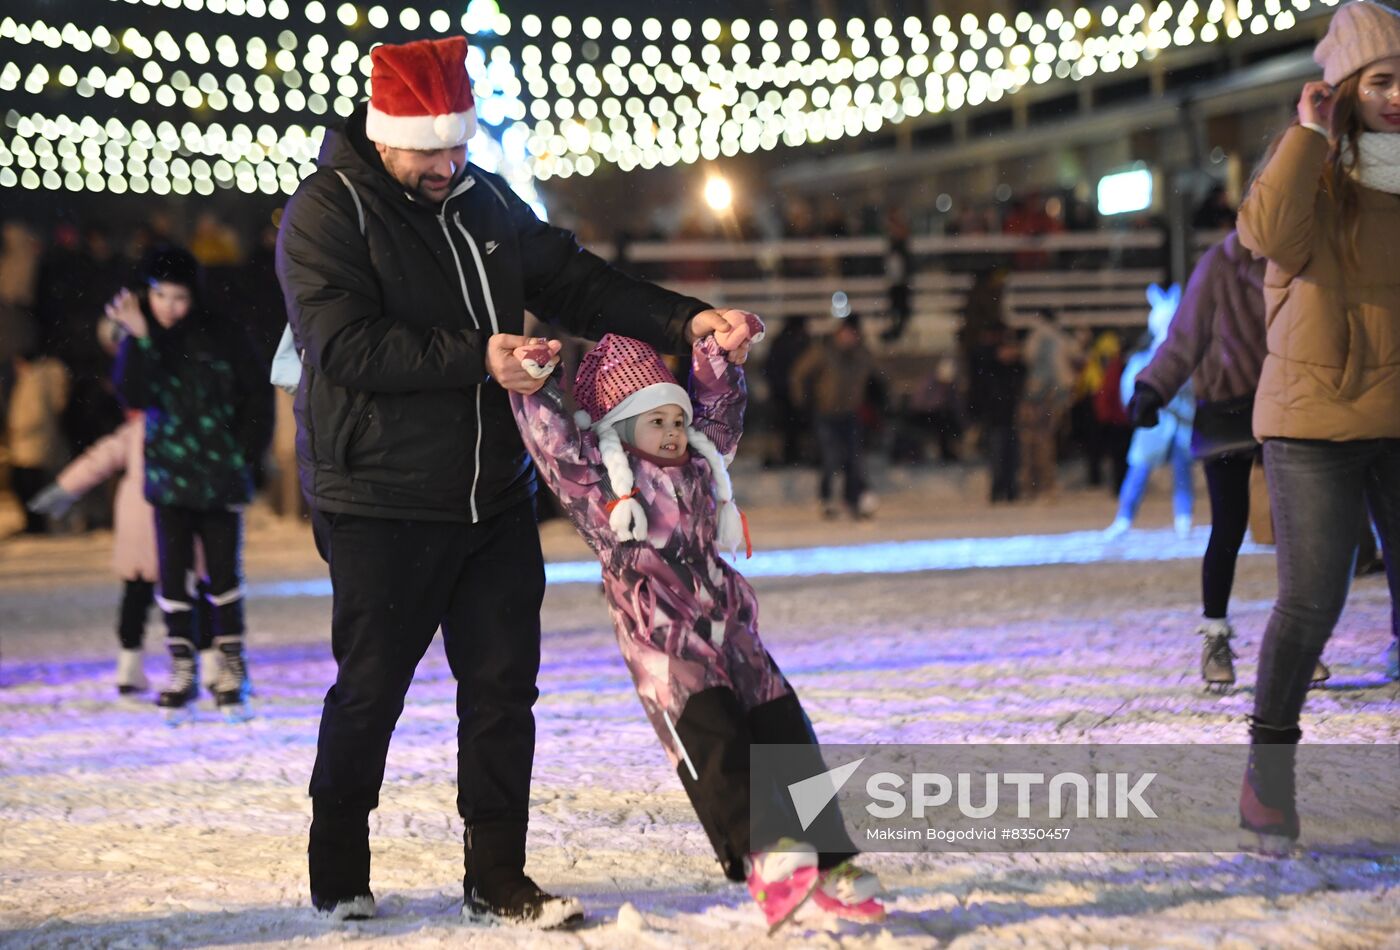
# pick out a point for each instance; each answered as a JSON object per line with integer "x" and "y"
{"x": 131, "y": 673}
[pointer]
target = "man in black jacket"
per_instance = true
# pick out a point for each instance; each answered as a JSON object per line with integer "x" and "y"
{"x": 406, "y": 273}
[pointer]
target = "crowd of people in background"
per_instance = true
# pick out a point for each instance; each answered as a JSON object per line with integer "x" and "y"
{"x": 1022, "y": 400}
{"x": 57, "y": 349}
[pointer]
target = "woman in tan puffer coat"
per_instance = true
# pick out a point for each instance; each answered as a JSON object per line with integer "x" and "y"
{"x": 1325, "y": 211}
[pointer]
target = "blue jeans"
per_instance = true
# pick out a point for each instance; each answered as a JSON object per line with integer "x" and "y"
{"x": 1135, "y": 486}
{"x": 1317, "y": 490}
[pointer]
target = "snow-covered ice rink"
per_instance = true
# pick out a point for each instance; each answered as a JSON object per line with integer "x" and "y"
{"x": 117, "y": 831}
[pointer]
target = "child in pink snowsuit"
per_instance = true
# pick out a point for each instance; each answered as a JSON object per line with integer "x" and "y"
{"x": 641, "y": 471}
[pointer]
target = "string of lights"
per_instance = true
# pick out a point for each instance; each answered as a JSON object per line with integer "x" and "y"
{"x": 555, "y": 99}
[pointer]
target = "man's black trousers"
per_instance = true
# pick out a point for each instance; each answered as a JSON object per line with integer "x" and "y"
{"x": 394, "y": 583}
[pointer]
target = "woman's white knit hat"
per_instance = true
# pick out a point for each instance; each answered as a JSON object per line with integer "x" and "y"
{"x": 1360, "y": 33}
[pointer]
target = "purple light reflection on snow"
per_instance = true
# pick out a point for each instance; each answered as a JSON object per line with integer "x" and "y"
{"x": 895, "y": 557}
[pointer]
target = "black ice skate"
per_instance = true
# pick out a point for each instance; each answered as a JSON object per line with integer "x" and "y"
{"x": 177, "y": 699}
{"x": 1217, "y": 659}
{"x": 231, "y": 688}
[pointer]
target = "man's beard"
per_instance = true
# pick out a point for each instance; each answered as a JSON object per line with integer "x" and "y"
{"x": 443, "y": 185}
{"x": 416, "y": 185}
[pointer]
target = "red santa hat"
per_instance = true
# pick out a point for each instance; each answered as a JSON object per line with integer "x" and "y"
{"x": 421, "y": 98}
{"x": 620, "y": 378}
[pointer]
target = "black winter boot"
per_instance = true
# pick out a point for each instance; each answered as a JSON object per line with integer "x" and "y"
{"x": 338, "y": 859}
{"x": 496, "y": 888}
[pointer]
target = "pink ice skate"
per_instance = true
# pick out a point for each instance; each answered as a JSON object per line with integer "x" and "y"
{"x": 850, "y": 893}
{"x": 782, "y": 879}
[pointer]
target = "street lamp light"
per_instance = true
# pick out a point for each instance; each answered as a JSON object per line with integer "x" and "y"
{"x": 718, "y": 194}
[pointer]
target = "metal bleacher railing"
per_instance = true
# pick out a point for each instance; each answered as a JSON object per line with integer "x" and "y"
{"x": 1092, "y": 278}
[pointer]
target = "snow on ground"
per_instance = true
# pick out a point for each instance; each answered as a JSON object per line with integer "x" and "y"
{"x": 117, "y": 831}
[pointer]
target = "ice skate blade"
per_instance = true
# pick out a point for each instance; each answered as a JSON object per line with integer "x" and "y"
{"x": 179, "y": 715}
{"x": 1273, "y": 846}
{"x": 1219, "y": 689}
{"x": 781, "y": 922}
{"x": 236, "y": 712}
{"x": 562, "y": 913}
{"x": 867, "y": 912}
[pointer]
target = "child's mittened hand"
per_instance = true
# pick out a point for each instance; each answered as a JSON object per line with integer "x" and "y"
{"x": 539, "y": 356}
{"x": 744, "y": 329}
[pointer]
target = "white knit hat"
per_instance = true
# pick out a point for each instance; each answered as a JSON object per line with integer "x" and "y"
{"x": 1360, "y": 33}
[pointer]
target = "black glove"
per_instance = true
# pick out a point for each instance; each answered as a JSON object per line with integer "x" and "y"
{"x": 1144, "y": 406}
{"x": 52, "y": 501}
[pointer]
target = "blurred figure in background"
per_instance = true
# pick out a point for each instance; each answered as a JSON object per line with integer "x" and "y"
{"x": 936, "y": 408}
{"x": 195, "y": 377}
{"x": 833, "y": 377}
{"x": 135, "y": 557}
{"x": 1214, "y": 213}
{"x": 1108, "y": 430}
{"x": 999, "y": 379}
{"x": 790, "y": 417}
{"x": 1052, "y": 359}
{"x": 1166, "y": 443}
{"x": 1217, "y": 341}
{"x": 34, "y": 430}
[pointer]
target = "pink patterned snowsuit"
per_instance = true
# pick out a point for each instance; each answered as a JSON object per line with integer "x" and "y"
{"x": 686, "y": 620}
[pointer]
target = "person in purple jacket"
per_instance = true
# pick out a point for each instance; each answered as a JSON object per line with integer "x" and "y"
{"x": 641, "y": 469}
{"x": 1217, "y": 341}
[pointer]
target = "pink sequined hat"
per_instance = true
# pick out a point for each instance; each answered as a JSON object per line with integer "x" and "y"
{"x": 623, "y": 377}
